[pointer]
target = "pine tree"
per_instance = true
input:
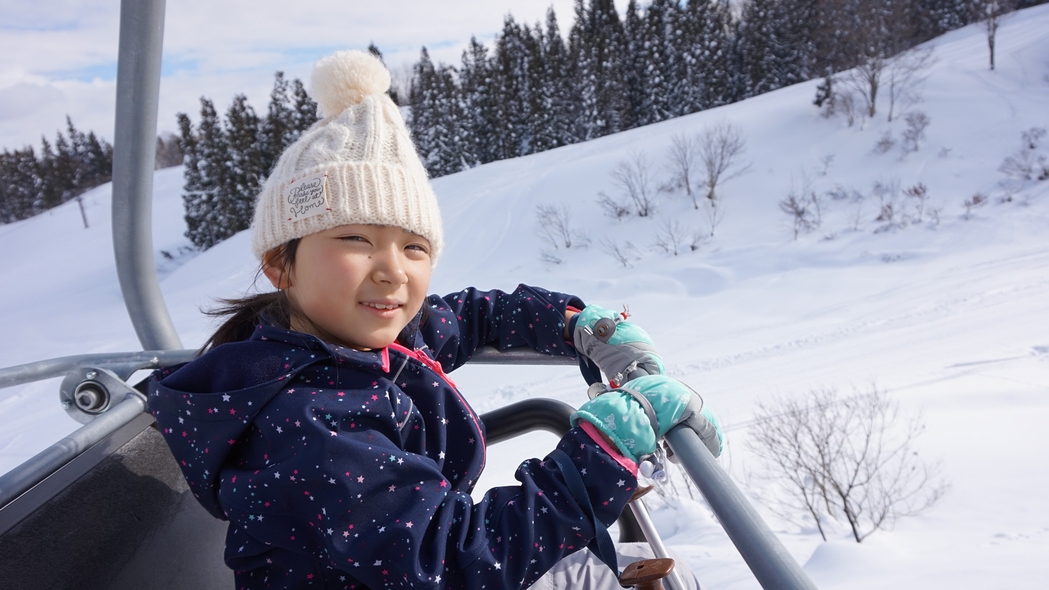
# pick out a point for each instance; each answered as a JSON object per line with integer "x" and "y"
{"x": 207, "y": 206}
{"x": 598, "y": 45}
{"x": 480, "y": 111}
{"x": 278, "y": 127}
{"x": 556, "y": 90}
{"x": 305, "y": 111}
{"x": 246, "y": 166}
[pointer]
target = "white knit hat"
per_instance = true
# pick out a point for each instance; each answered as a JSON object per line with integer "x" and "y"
{"x": 356, "y": 165}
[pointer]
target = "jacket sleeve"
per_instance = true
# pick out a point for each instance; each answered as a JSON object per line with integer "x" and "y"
{"x": 460, "y": 323}
{"x": 354, "y": 499}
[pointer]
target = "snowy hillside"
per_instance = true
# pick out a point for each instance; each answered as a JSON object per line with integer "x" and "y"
{"x": 948, "y": 316}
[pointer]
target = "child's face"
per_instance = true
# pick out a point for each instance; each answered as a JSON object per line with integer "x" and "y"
{"x": 359, "y": 285}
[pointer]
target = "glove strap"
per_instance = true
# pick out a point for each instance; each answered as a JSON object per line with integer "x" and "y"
{"x": 653, "y": 419}
{"x": 601, "y": 546}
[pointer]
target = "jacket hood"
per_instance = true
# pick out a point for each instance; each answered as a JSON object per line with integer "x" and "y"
{"x": 203, "y": 407}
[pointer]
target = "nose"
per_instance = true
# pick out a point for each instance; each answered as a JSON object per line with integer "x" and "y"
{"x": 389, "y": 266}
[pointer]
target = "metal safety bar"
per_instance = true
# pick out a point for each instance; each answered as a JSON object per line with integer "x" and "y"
{"x": 773, "y": 566}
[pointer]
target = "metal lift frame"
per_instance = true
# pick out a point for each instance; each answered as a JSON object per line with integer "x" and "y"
{"x": 121, "y": 410}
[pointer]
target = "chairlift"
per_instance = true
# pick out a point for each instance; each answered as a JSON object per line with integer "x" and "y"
{"x": 107, "y": 506}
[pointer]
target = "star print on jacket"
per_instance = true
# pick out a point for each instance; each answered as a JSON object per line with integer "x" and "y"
{"x": 339, "y": 468}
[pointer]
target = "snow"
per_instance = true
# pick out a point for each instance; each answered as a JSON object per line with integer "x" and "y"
{"x": 950, "y": 318}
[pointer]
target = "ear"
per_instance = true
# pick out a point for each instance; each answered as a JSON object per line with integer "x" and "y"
{"x": 279, "y": 277}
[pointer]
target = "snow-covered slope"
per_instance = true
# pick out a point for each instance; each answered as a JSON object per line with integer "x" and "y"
{"x": 949, "y": 317}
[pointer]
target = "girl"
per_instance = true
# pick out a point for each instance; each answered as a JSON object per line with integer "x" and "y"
{"x": 320, "y": 421}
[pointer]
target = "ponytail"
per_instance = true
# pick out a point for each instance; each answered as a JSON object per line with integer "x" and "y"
{"x": 246, "y": 313}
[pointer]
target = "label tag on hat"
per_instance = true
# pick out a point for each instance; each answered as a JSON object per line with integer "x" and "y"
{"x": 306, "y": 197}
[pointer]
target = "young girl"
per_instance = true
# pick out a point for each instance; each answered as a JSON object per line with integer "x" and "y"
{"x": 320, "y": 421}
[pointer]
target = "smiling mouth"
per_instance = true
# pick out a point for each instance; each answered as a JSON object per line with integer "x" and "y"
{"x": 381, "y": 306}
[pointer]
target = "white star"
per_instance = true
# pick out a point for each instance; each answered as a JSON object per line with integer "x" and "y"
{"x": 544, "y": 510}
{"x": 279, "y": 430}
{"x": 620, "y": 483}
{"x": 498, "y": 566}
{"x": 330, "y": 531}
{"x": 225, "y": 397}
{"x": 440, "y": 455}
{"x": 277, "y": 475}
{"x": 382, "y": 529}
{"x": 180, "y": 420}
{"x": 331, "y": 480}
{"x": 378, "y": 562}
{"x": 437, "y": 580}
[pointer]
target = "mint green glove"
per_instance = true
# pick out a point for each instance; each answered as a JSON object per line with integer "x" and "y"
{"x": 621, "y": 349}
{"x": 639, "y": 413}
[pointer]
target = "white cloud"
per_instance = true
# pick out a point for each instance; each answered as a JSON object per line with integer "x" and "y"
{"x": 58, "y": 57}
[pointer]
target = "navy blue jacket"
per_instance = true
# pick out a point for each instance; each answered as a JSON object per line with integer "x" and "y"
{"x": 339, "y": 468}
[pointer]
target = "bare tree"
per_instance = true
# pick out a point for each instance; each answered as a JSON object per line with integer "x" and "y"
{"x": 974, "y": 202}
{"x": 990, "y": 13}
{"x": 919, "y": 195}
{"x": 634, "y": 179}
{"x": 611, "y": 206}
{"x": 913, "y": 135}
{"x": 623, "y": 253}
{"x": 721, "y": 150}
{"x": 684, "y": 163}
{"x": 1027, "y": 164}
{"x": 889, "y": 210}
{"x": 846, "y": 457}
{"x": 553, "y": 225}
{"x": 798, "y": 212}
{"x": 671, "y": 237}
{"x": 904, "y": 75}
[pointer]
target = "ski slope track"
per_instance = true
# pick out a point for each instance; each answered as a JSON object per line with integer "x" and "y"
{"x": 951, "y": 318}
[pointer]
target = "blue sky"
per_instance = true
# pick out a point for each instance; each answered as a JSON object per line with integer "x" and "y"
{"x": 59, "y": 57}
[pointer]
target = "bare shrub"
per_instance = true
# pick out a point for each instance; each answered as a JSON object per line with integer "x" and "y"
{"x": 684, "y": 163}
{"x": 846, "y": 457}
{"x": 623, "y": 253}
{"x": 1027, "y": 164}
{"x": 835, "y": 100}
{"x": 611, "y": 206}
{"x": 919, "y": 196}
{"x": 886, "y": 143}
{"x": 825, "y": 164}
{"x": 798, "y": 212}
{"x": 904, "y": 76}
{"x": 553, "y": 225}
{"x": 889, "y": 209}
{"x": 550, "y": 257}
{"x": 974, "y": 202}
{"x": 913, "y": 135}
{"x": 634, "y": 179}
{"x": 671, "y": 237}
{"x": 721, "y": 150}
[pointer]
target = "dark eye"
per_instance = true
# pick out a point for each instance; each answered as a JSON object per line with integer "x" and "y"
{"x": 418, "y": 248}
{"x": 354, "y": 238}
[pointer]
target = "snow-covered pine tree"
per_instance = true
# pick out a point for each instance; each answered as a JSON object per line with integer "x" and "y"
{"x": 510, "y": 70}
{"x": 598, "y": 44}
{"x": 556, "y": 100}
{"x": 205, "y": 208}
{"x": 305, "y": 111}
{"x": 706, "y": 50}
{"x": 279, "y": 124}
{"x": 20, "y": 184}
{"x": 480, "y": 111}
{"x": 193, "y": 198}
{"x": 246, "y": 166}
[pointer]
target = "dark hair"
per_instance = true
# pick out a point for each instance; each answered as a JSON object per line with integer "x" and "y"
{"x": 245, "y": 313}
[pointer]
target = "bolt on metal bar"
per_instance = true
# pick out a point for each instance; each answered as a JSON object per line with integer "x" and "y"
{"x": 766, "y": 556}
{"x": 134, "y": 153}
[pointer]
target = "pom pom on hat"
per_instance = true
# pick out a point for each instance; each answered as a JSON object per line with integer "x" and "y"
{"x": 344, "y": 78}
{"x": 356, "y": 165}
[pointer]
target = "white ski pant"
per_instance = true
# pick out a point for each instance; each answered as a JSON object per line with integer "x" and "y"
{"x": 583, "y": 571}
